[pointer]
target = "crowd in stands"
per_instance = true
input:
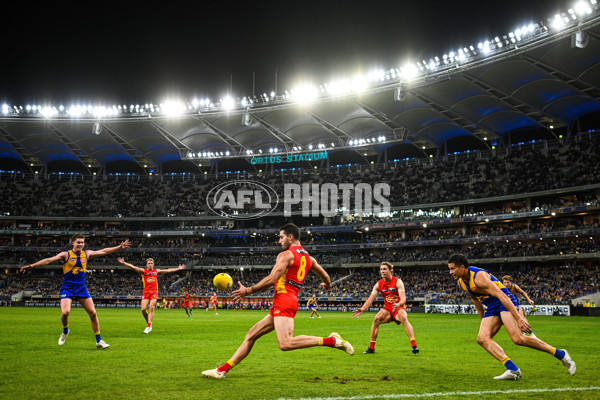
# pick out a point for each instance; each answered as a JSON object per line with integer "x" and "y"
{"x": 544, "y": 285}
{"x": 426, "y": 251}
{"x": 447, "y": 179}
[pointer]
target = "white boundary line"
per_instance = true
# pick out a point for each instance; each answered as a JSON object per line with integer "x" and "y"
{"x": 440, "y": 394}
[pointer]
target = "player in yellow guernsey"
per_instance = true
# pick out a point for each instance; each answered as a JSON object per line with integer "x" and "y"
{"x": 287, "y": 276}
{"x": 501, "y": 308}
{"x": 312, "y": 306}
{"x": 73, "y": 286}
{"x": 515, "y": 289}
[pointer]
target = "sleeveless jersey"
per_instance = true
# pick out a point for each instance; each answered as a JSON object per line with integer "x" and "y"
{"x": 213, "y": 299}
{"x": 150, "y": 280}
{"x": 74, "y": 269}
{"x": 511, "y": 288}
{"x": 186, "y": 298}
{"x": 471, "y": 287}
{"x": 293, "y": 278}
{"x": 389, "y": 291}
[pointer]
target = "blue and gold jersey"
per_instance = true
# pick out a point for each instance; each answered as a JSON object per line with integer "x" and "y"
{"x": 471, "y": 287}
{"x": 74, "y": 269}
{"x": 511, "y": 288}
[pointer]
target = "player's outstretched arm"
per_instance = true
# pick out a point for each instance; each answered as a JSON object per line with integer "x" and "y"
{"x": 139, "y": 270}
{"x": 168, "y": 271}
{"x": 284, "y": 260}
{"x": 357, "y": 313}
{"x": 518, "y": 289}
{"x": 60, "y": 257}
{"x": 108, "y": 250}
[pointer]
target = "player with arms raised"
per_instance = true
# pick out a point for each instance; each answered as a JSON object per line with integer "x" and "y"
{"x": 288, "y": 276}
{"x": 150, "y": 293}
{"x": 73, "y": 286}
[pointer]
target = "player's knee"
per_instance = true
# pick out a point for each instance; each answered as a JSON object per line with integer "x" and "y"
{"x": 481, "y": 339}
{"x": 285, "y": 345}
{"x": 519, "y": 340}
{"x": 92, "y": 314}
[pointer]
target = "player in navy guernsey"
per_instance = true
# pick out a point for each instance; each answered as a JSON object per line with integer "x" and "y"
{"x": 73, "y": 286}
{"x": 287, "y": 277}
{"x": 392, "y": 290}
{"x": 501, "y": 308}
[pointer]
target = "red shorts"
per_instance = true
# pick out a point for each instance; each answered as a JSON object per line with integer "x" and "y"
{"x": 285, "y": 305}
{"x": 186, "y": 305}
{"x": 150, "y": 295}
{"x": 395, "y": 312}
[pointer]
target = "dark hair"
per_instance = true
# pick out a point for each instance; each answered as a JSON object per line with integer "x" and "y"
{"x": 291, "y": 229}
{"x": 77, "y": 236}
{"x": 458, "y": 260}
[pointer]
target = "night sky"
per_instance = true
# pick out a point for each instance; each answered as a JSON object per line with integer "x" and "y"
{"x": 142, "y": 53}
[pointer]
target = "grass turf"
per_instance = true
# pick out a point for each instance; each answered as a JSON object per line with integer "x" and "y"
{"x": 167, "y": 363}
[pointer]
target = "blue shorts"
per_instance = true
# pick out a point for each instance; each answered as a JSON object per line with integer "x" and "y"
{"x": 311, "y": 307}
{"x": 495, "y": 308}
{"x": 74, "y": 292}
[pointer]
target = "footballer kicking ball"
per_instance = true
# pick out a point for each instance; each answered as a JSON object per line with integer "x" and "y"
{"x": 222, "y": 281}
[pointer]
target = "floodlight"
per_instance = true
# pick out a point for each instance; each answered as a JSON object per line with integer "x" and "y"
{"x": 558, "y": 22}
{"x": 227, "y": 103}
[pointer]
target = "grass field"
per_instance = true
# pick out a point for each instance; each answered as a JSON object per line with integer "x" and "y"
{"x": 167, "y": 363}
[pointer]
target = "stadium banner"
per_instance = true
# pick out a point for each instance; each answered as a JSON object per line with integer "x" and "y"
{"x": 546, "y": 309}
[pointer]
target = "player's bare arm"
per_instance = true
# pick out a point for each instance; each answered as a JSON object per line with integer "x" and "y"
{"x": 168, "y": 271}
{"x": 60, "y": 257}
{"x": 478, "y": 306}
{"x": 284, "y": 260}
{"x": 522, "y": 292}
{"x": 401, "y": 295}
{"x": 321, "y": 273}
{"x": 485, "y": 285}
{"x": 139, "y": 270}
{"x": 108, "y": 250}
{"x": 374, "y": 293}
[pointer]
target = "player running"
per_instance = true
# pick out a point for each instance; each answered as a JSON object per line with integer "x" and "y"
{"x": 501, "y": 309}
{"x": 187, "y": 304}
{"x": 288, "y": 275}
{"x": 312, "y": 306}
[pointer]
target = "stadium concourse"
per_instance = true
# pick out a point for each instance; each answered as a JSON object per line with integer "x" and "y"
{"x": 492, "y": 151}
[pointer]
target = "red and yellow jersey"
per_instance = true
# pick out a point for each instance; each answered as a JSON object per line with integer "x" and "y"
{"x": 213, "y": 299}
{"x": 74, "y": 268}
{"x": 150, "y": 280}
{"x": 293, "y": 278}
{"x": 389, "y": 291}
{"x": 186, "y": 298}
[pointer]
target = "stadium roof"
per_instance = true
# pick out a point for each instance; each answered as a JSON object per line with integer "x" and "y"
{"x": 527, "y": 91}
